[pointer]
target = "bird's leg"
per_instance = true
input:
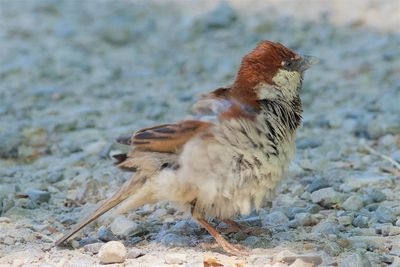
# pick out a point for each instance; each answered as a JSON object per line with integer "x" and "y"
{"x": 228, "y": 247}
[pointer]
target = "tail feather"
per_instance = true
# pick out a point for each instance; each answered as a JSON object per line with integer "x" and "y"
{"x": 128, "y": 189}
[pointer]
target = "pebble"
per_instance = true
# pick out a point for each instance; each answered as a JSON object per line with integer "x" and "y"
{"x": 326, "y": 228}
{"x": 396, "y": 155}
{"x": 7, "y": 190}
{"x": 185, "y": 227}
{"x": 87, "y": 241}
{"x": 363, "y": 180}
{"x": 308, "y": 143}
{"x": 105, "y": 234}
{"x": 9, "y": 144}
{"x": 93, "y": 248}
{"x": 304, "y": 219}
{"x": 112, "y": 252}
{"x": 360, "y": 221}
{"x": 327, "y": 197}
{"x": 251, "y": 241}
{"x": 353, "y": 203}
{"x": 5, "y": 220}
{"x": 175, "y": 240}
{"x": 286, "y": 256}
{"x": 8, "y": 241}
{"x": 385, "y": 214}
{"x": 157, "y": 215}
{"x": 367, "y": 242}
{"x": 38, "y": 196}
{"x": 374, "y": 195}
{"x": 276, "y": 218}
{"x": 346, "y": 219}
{"x": 318, "y": 184}
{"x": 355, "y": 259}
{"x": 301, "y": 263}
{"x": 121, "y": 226}
{"x": 222, "y": 16}
{"x": 55, "y": 177}
{"x": 388, "y": 230}
{"x": 175, "y": 258}
{"x": 134, "y": 253}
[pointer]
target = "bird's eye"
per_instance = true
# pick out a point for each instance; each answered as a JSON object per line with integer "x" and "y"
{"x": 288, "y": 64}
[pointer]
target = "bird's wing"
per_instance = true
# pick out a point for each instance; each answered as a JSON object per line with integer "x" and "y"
{"x": 166, "y": 138}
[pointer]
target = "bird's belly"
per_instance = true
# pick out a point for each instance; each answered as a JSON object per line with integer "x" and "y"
{"x": 228, "y": 181}
{"x": 245, "y": 184}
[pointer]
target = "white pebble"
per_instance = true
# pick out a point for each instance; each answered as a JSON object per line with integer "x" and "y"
{"x": 112, "y": 252}
{"x": 175, "y": 258}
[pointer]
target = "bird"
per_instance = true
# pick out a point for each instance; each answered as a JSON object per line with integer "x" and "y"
{"x": 228, "y": 159}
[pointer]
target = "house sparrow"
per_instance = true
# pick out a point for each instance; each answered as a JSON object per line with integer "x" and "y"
{"x": 230, "y": 159}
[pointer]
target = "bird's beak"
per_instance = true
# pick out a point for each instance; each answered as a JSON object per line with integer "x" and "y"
{"x": 306, "y": 62}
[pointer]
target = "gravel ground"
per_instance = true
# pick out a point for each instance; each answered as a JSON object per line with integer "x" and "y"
{"x": 73, "y": 77}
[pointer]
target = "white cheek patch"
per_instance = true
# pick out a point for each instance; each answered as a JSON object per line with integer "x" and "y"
{"x": 286, "y": 85}
{"x": 287, "y": 81}
{"x": 267, "y": 91}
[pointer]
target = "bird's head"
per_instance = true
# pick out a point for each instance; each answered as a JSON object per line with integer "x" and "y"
{"x": 272, "y": 71}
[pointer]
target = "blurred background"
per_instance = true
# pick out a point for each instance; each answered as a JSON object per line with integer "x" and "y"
{"x": 75, "y": 75}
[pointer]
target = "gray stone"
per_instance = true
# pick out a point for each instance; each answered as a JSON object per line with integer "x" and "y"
{"x": 374, "y": 195}
{"x": 276, "y": 218}
{"x": 377, "y": 259}
{"x": 396, "y": 155}
{"x": 55, "y": 177}
{"x": 251, "y": 241}
{"x": 186, "y": 227}
{"x": 157, "y": 214}
{"x": 112, "y": 252}
{"x": 360, "y": 221}
{"x": 308, "y": 143}
{"x": 317, "y": 184}
{"x": 134, "y": 253}
{"x": 7, "y": 190}
{"x": 87, "y": 241}
{"x": 326, "y": 228}
{"x": 93, "y": 248}
{"x": 9, "y": 143}
{"x": 67, "y": 219}
{"x": 353, "y": 203}
{"x": 105, "y": 234}
{"x": 362, "y": 180}
{"x": 222, "y": 16}
{"x": 367, "y": 242}
{"x": 6, "y": 204}
{"x": 314, "y": 208}
{"x": 385, "y": 214}
{"x": 387, "y": 229}
{"x": 355, "y": 259}
{"x": 327, "y": 197}
{"x": 346, "y": 219}
{"x": 289, "y": 257}
{"x": 175, "y": 240}
{"x": 121, "y": 226}
{"x": 304, "y": 219}
{"x": 38, "y": 196}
